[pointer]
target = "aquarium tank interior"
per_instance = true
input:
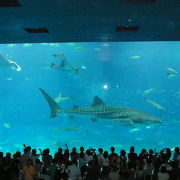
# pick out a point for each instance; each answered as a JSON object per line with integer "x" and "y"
{"x": 99, "y": 94}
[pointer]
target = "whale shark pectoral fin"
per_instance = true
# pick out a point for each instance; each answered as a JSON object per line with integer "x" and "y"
{"x": 129, "y": 125}
{"x": 137, "y": 121}
{"x": 127, "y": 122}
{"x": 97, "y": 102}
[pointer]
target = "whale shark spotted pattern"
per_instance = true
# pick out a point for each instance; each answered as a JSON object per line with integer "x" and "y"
{"x": 100, "y": 110}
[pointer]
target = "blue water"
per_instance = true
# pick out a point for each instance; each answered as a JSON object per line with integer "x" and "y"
{"x": 119, "y": 73}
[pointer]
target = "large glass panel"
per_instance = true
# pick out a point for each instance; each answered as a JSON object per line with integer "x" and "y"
{"x": 144, "y": 77}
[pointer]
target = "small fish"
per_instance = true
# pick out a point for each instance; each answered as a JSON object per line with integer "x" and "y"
{"x": 177, "y": 93}
{"x": 71, "y": 128}
{"x": 155, "y": 104}
{"x": 11, "y": 45}
{"x": 161, "y": 142}
{"x": 71, "y": 44}
{"x": 105, "y": 44}
{"x": 7, "y": 125}
{"x": 171, "y": 75}
{"x": 135, "y": 57}
{"x": 79, "y": 48}
{"x": 61, "y": 98}
{"x": 148, "y": 127}
{"x": 148, "y": 91}
{"x": 109, "y": 126}
{"x": 44, "y": 44}
{"x": 9, "y": 79}
{"x": 172, "y": 70}
{"x": 97, "y": 49}
{"x": 54, "y": 44}
{"x": 151, "y": 90}
{"x": 83, "y": 67}
{"x": 27, "y": 45}
{"x": 134, "y": 130}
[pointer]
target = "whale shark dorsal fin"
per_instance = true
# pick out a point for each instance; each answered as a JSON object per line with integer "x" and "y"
{"x": 97, "y": 102}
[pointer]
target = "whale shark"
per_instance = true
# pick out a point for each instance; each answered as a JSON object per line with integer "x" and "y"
{"x": 100, "y": 110}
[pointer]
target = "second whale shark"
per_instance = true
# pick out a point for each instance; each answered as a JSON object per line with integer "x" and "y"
{"x": 100, "y": 110}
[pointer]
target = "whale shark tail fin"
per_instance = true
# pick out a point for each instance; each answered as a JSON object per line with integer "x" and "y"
{"x": 55, "y": 109}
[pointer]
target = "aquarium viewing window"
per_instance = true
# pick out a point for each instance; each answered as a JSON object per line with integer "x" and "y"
{"x": 100, "y": 94}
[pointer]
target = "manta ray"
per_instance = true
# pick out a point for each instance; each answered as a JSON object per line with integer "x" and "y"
{"x": 100, "y": 110}
{"x": 63, "y": 64}
{"x": 9, "y": 64}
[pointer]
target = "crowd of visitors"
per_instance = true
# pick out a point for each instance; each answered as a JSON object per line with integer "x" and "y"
{"x": 91, "y": 164}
